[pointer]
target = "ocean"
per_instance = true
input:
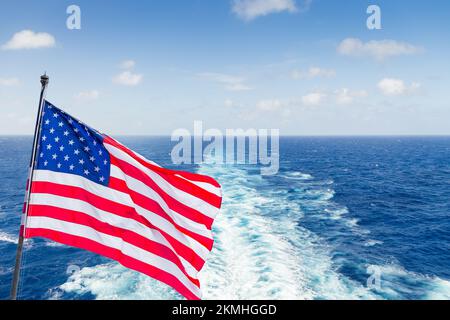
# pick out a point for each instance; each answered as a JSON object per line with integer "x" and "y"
{"x": 345, "y": 218}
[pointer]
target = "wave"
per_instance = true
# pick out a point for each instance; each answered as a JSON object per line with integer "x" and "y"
{"x": 7, "y": 238}
{"x": 263, "y": 251}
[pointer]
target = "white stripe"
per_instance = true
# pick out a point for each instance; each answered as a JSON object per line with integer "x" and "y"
{"x": 115, "y": 243}
{"x": 204, "y": 185}
{"x": 109, "y": 218}
{"x": 123, "y": 198}
{"x": 180, "y": 195}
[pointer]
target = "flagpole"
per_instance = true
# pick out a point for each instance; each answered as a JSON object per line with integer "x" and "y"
{"x": 16, "y": 275}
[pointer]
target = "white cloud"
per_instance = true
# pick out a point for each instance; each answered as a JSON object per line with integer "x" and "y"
{"x": 127, "y": 78}
{"x": 347, "y": 96}
{"x": 230, "y": 83}
{"x": 271, "y": 105}
{"x": 313, "y": 72}
{"x": 28, "y": 39}
{"x": 9, "y": 82}
{"x": 87, "y": 95}
{"x": 127, "y": 64}
{"x": 251, "y": 9}
{"x": 397, "y": 87}
{"x": 313, "y": 98}
{"x": 379, "y": 50}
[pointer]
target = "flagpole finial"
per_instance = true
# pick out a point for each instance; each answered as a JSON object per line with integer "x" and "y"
{"x": 44, "y": 79}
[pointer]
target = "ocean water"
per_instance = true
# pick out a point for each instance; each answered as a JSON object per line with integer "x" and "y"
{"x": 345, "y": 218}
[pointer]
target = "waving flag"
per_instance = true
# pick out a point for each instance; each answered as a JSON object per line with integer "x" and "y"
{"x": 91, "y": 192}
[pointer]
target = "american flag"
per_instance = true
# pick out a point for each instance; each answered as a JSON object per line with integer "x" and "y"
{"x": 91, "y": 192}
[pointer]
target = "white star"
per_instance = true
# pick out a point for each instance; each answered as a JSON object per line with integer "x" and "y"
{"x": 47, "y": 121}
{"x": 71, "y": 142}
{"x": 45, "y": 163}
{"x": 66, "y": 133}
{"x": 52, "y": 130}
{"x": 100, "y": 152}
{"x": 66, "y": 157}
{"x": 61, "y": 148}
{"x": 59, "y": 165}
{"x": 102, "y": 179}
{"x": 71, "y": 167}
{"x": 61, "y": 124}
{"x": 49, "y": 146}
{"x": 41, "y": 155}
{"x": 97, "y": 169}
{"x": 81, "y": 161}
{"x": 86, "y": 172}
{"x": 50, "y": 106}
{"x": 44, "y": 138}
{"x": 95, "y": 142}
{"x": 70, "y": 121}
{"x": 76, "y": 129}
{"x": 91, "y": 158}
{"x": 54, "y": 156}
{"x": 77, "y": 152}
{"x": 57, "y": 139}
{"x": 86, "y": 149}
{"x": 55, "y": 115}
{"x": 105, "y": 162}
{"x": 81, "y": 139}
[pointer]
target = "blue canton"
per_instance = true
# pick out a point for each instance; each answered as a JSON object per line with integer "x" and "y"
{"x": 69, "y": 146}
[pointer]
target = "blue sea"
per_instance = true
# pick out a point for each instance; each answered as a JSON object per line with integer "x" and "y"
{"x": 345, "y": 218}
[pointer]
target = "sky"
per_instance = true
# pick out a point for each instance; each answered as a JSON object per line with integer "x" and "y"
{"x": 306, "y": 67}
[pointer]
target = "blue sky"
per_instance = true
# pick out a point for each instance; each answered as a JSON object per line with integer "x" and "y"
{"x": 305, "y": 67}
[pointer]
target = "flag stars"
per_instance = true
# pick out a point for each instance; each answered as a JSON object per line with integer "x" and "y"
{"x": 45, "y": 163}
{"x": 101, "y": 179}
{"x": 105, "y": 162}
{"x": 61, "y": 148}
{"x": 66, "y": 157}
{"x": 97, "y": 169}
{"x": 86, "y": 172}
{"x": 87, "y": 149}
{"x": 91, "y": 158}
{"x": 81, "y": 161}
{"x": 71, "y": 167}
{"x": 54, "y": 156}
{"x": 77, "y": 152}
{"x": 47, "y": 122}
{"x": 49, "y": 146}
{"x": 57, "y": 139}
{"x": 59, "y": 165}
{"x": 52, "y": 130}
{"x": 71, "y": 142}
{"x": 81, "y": 139}
{"x": 55, "y": 115}
{"x": 66, "y": 133}
{"x": 44, "y": 138}
{"x": 60, "y": 124}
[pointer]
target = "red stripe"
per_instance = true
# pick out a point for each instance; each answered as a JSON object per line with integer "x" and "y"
{"x": 103, "y": 227}
{"x": 173, "y": 203}
{"x": 153, "y": 206}
{"x": 117, "y": 209}
{"x": 115, "y": 254}
{"x": 187, "y": 175}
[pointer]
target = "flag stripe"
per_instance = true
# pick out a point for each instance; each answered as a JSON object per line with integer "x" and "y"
{"x": 155, "y": 246}
{"x": 173, "y": 191}
{"x": 149, "y": 204}
{"x": 77, "y": 199}
{"x": 83, "y": 242}
{"x": 121, "y": 194}
{"x": 187, "y": 175}
{"x": 173, "y": 203}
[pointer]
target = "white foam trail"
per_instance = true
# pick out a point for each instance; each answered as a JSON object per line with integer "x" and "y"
{"x": 7, "y": 238}
{"x": 261, "y": 252}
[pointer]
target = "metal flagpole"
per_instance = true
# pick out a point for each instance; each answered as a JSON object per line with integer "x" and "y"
{"x": 37, "y": 129}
